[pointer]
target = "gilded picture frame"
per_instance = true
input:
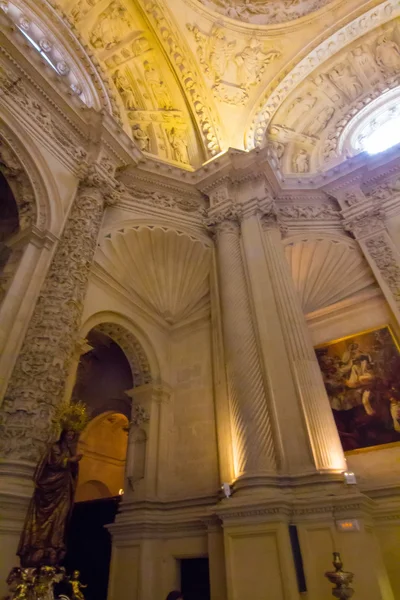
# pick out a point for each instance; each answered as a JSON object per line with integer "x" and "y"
{"x": 361, "y": 373}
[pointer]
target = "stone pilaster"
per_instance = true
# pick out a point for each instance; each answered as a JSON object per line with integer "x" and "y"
{"x": 254, "y": 454}
{"x": 368, "y": 227}
{"x": 37, "y": 382}
{"x": 310, "y": 394}
{"x": 147, "y": 456}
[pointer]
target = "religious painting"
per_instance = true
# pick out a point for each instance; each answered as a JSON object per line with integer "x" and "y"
{"x": 362, "y": 378}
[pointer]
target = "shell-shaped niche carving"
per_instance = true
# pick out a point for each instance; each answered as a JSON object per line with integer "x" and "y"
{"x": 326, "y": 271}
{"x": 165, "y": 269}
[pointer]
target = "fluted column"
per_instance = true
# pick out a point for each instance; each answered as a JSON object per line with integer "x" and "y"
{"x": 37, "y": 382}
{"x": 254, "y": 453}
{"x": 323, "y": 437}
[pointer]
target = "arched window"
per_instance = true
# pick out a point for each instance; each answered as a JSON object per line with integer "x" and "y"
{"x": 376, "y": 128}
{"x": 46, "y": 44}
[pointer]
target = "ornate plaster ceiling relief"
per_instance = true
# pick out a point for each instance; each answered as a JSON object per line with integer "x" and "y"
{"x": 233, "y": 66}
{"x": 306, "y": 69}
{"x": 265, "y": 12}
{"x": 305, "y": 133}
{"x": 154, "y": 110}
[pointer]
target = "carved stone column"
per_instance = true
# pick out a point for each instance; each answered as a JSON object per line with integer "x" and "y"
{"x": 254, "y": 454}
{"x": 309, "y": 408}
{"x": 41, "y": 371}
{"x": 368, "y": 228}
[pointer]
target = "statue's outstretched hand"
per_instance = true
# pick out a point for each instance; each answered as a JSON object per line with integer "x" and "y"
{"x": 76, "y": 458}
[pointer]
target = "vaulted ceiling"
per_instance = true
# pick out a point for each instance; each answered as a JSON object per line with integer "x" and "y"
{"x": 194, "y": 77}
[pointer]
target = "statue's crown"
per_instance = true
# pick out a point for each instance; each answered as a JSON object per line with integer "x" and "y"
{"x": 72, "y": 416}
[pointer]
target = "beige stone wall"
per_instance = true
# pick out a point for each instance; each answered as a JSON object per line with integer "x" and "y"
{"x": 194, "y": 459}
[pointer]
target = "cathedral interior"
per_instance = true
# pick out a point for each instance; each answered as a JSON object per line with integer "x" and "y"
{"x": 200, "y": 243}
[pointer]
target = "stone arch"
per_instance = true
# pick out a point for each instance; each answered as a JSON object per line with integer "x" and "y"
{"x": 135, "y": 345}
{"x": 33, "y": 186}
{"x": 78, "y": 66}
{"x": 278, "y": 91}
{"x": 103, "y": 444}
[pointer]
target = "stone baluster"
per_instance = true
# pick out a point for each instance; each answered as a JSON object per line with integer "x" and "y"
{"x": 305, "y": 372}
{"x": 41, "y": 371}
{"x": 254, "y": 454}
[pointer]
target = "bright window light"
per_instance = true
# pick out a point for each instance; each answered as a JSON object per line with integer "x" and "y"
{"x": 384, "y": 137}
{"x": 34, "y": 44}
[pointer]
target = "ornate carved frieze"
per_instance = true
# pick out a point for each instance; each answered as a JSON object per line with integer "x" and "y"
{"x": 37, "y": 382}
{"x": 180, "y": 202}
{"x": 187, "y": 71}
{"x": 308, "y": 212}
{"x": 232, "y": 70}
{"x": 340, "y": 85}
{"x": 365, "y": 223}
{"x": 14, "y": 89}
{"x": 387, "y": 260}
{"x": 262, "y": 13}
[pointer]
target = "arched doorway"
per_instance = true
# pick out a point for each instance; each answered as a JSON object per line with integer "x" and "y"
{"x": 112, "y": 366}
{"x": 10, "y": 250}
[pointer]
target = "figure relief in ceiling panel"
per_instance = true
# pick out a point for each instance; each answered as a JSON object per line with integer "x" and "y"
{"x": 305, "y": 134}
{"x": 154, "y": 110}
{"x": 233, "y": 66}
{"x": 263, "y": 12}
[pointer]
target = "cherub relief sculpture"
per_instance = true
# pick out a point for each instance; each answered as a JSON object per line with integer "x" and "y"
{"x": 252, "y": 61}
{"x": 365, "y": 62}
{"x": 214, "y": 49}
{"x": 387, "y": 54}
{"x": 125, "y": 90}
{"x": 141, "y": 138}
{"x": 320, "y": 121}
{"x": 301, "y": 162}
{"x": 177, "y": 140}
{"x": 157, "y": 86}
{"x": 111, "y": 26}
{"x": 81, "y": 8}
{"x": 346, "y": 81}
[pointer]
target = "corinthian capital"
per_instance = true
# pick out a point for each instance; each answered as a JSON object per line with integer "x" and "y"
{"x": 366, "y": 223}
{"x": 94, "y": 180}
{"x": 224, "y": 217}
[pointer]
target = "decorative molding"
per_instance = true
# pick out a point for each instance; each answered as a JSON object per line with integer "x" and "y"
{"x": 280, "y": 88}
{"x": 132, "y": 349}
{"x": 186, "y": 70}
{"x": 387, "y": 261}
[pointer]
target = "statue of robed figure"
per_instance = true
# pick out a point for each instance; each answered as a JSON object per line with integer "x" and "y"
{"x": 43, "y": 539}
